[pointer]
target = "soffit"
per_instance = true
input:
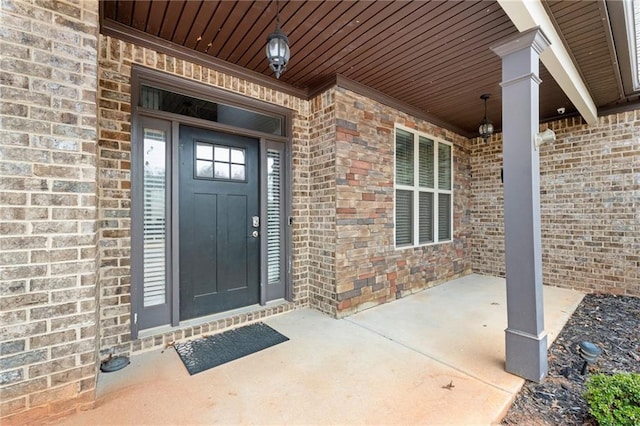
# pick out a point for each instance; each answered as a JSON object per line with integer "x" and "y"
{"x": 586, "y": 32}
{"x": 431, "y": 55}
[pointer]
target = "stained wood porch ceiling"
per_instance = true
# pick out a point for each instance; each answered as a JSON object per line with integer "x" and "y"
{"x": 432, "y": 55}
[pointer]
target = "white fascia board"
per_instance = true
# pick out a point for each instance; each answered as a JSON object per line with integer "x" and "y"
{"x": 527, "y": 14}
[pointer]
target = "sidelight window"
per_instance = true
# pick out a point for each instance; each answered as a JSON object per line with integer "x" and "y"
{"x": 154, "y": 217}
{"x": 275, "y": 234}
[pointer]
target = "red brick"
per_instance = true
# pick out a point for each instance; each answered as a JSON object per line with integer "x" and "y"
{"x": 344, "y": 130}
{"x": 358, "y": 164}
{"x": 346, "y": 210}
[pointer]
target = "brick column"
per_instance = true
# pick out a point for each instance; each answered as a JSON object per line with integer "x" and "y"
{"x": 526, "y": 339}
{"x": 48, "y": 205}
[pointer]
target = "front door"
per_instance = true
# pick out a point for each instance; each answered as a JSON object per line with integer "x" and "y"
{"x": 219, "y": 207}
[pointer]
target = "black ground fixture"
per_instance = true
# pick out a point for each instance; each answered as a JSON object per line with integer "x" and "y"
{"x": 114, "y": 363}
{"x": 589, "y": 353}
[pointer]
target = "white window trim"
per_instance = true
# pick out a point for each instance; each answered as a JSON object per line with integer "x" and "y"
{"x": 416, "y": 188}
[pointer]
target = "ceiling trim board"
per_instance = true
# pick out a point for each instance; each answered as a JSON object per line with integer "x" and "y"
{"x": 627, "y": 107}
{"x": 139, "y": 38}
{"x": 378, "y": 96}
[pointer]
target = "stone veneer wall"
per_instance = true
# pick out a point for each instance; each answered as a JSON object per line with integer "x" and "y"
{"x": 590, "y": 199}
{"x": 369, "y": 270}
{"x": 48, "y": 207}
{"x": 115, "y": 62}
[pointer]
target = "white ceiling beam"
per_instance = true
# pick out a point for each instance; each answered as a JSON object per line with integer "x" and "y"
{"x": 527, "y": 14}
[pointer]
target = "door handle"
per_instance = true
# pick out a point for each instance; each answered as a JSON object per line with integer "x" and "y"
{"x": 256, "y": 221}
{"x": 255, "y": 234}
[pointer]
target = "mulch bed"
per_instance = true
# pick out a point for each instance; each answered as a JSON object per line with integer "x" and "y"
{"x": 613, "y": 324}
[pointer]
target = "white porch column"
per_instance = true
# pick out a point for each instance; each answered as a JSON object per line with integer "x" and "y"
{"x": 526, "y": 338}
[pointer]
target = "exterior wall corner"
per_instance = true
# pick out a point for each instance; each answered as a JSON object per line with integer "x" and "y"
{"x": 49, "y": 205}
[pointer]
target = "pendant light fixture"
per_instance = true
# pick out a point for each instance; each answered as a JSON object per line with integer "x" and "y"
{"x": 278, "y": 47}
{"x": 486, "y": 127}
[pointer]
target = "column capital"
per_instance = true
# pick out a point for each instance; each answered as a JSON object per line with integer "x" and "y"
{"x": 532, "y": 38}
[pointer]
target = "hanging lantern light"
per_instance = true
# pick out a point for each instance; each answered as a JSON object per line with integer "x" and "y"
{"x": 278, "y": 47}
{"x": 486, "y": 127}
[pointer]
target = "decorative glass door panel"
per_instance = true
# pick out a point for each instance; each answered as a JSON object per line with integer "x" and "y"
{"x": 274, "y": 216}
{"x": 151, "y": 236}
{"x": 275, "y": 226}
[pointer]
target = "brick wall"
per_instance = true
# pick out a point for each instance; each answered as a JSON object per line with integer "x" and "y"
{"x": 322, "y": 203}
{"x": 590, "y": 199}
{"x": 369, "y": 270}
{"x": 488, "y": 206}
{"x": 114, "y": 184}
{"x": 115, "y": 62}
{"x": 48, "y": 253}
{"x": 300, "y": 206}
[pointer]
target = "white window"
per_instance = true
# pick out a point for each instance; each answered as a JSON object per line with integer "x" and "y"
{"x": 423, "y": 189}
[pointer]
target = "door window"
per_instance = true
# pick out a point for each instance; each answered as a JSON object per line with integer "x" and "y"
{"x": 220, "y": 162}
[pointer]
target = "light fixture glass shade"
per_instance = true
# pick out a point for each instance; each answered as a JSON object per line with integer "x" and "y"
{"x": 278, "y": 51}
{"x": 486, "y": 127}
{"x": 485, "y": 130}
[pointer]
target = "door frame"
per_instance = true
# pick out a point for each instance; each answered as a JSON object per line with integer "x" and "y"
{"x": 144, "y": 76}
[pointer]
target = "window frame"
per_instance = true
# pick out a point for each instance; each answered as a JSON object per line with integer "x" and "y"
{"x": 416, "y": 189}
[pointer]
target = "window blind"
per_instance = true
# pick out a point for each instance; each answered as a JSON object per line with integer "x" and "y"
{"x": 444, "y": 217}
{"x": 274, "y": 200}
{"x": 426, "y": 218}
{"x": 154, "y": 220}
{"x": 444, "y": 166}
{"x": 426, "y": 162}
{"x": 404, "y": 217}
{"x": 404, "y": 158}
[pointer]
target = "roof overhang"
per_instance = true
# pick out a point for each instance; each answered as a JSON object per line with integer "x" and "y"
{"x": 527, "y": 14}
{"x": 625, "y": 38}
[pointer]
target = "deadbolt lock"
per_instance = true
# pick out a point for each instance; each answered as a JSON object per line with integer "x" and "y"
{"x": 255, "y": 234}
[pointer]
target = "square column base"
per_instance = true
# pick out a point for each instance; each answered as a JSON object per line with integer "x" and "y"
{"x": 526, "y": 354}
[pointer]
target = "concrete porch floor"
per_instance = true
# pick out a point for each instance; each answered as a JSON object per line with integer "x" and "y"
{"x": 387, "y": 365}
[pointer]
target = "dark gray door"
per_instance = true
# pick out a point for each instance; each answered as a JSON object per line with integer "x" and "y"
{"x": 219, "y": 206}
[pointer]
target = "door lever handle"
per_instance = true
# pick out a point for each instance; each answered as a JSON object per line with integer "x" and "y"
{"x": 256, "y": 221}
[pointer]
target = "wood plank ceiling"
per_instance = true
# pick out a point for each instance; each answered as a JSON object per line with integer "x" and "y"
{"x": 433, "y": 55}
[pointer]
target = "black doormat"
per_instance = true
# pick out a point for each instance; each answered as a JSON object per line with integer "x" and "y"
{"x": 208, "y": 352}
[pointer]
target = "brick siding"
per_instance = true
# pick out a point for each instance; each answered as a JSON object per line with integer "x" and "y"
{"x": 322, "y": 203}
{"x": 48, "y": 207}
{"x": 590, "y": 199}
{"x": 65, "y": 194}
